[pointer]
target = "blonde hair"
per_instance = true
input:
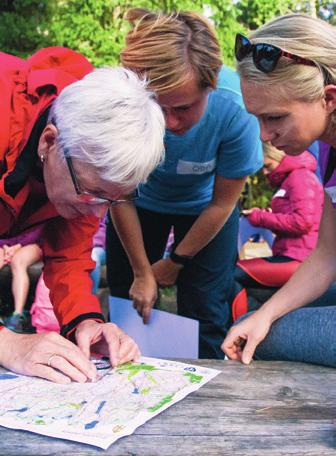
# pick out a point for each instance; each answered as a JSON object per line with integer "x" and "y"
{"x": 272, "y": 152}
{"x": 171, "y": 49}
{"x": 305, "y": 36}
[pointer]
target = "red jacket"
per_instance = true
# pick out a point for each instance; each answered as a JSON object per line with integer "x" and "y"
{"x": 296, "y": 207}
{"x": 27, "y": 89}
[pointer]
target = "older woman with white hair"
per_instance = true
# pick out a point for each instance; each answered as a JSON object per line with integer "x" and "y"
{"x": 67, "y": 154}
{"x": 288, "y": 79}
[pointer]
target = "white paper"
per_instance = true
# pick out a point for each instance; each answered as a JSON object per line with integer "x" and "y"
{"x": 102, "y": 412}
{"x": 155, "y": 339}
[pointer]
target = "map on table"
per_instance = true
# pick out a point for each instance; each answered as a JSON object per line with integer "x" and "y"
{"x": 98, "y": 413}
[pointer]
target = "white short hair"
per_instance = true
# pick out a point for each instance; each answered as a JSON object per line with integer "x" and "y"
{"x": 110, "y": 120}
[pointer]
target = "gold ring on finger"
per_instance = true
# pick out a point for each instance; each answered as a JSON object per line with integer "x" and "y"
{"x": 50, "y": 359}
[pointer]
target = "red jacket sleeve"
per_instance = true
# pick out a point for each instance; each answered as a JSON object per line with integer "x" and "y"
{"x": 67, "y": 254}
{"x": 303, "y": 190}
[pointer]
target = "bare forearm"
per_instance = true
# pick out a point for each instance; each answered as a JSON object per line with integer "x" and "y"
{"x": 213, "y": 218}
{"x": 205, "y": 228}
{"x": 127, "y": 225}
{"x": 309, "y": 282}
{"x": 313, "y": 277}
{"x": 143, "y": 291}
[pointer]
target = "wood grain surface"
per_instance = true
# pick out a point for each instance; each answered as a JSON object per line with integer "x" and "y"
{"x": 267, "y": 408}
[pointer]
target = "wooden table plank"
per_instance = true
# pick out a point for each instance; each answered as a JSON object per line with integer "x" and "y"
{"x": 266, "y": 409}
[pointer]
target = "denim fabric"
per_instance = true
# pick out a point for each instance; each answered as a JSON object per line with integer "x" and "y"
{"x": 306, "y": 335}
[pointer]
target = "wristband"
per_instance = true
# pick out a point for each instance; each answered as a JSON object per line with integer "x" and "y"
{"x": 180, "y": 259}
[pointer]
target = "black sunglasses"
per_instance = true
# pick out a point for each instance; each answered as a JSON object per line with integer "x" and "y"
{"x": 265, "y": 56}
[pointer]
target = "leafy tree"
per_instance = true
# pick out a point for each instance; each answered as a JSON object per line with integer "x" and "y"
{"x": 224, "y": 14}
{"x": 97, "y": 29}
{"x": 23, "y": 25}
{"x": 254, "y": 13}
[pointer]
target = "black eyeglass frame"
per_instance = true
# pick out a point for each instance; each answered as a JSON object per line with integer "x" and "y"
{"x": 94, "y": 198}
{"x": 243, "y": 47}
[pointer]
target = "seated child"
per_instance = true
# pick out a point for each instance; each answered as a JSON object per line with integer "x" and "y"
{"x": 19, "y": 253}
{"x": 293, "y": 217}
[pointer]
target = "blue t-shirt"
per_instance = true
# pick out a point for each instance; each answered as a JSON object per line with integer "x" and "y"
{"x": 225, "y": 142}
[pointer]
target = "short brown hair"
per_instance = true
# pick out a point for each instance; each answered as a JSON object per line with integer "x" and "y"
{"x": 171, "y": 49}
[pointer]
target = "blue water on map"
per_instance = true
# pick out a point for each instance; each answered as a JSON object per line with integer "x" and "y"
{"x": 100, "y": 406}
{"x": 23, "y": 409}
{"x": 91, "y": 425}
{"x": 7, "y": 376}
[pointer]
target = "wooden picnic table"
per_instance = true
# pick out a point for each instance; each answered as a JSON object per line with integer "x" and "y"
{"x": 267, "y": 408}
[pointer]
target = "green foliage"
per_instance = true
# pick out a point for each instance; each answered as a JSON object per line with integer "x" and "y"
{"x": 93, "y": 27}
{"x": 254, "y": 13}
{"x": 257, "y": 192}
{"x": 225, "y": 17}
{"x": 97, "y": 29}
{"x": 22, "y": 26}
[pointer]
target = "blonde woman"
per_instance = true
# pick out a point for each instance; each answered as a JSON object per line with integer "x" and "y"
{"x": 288, "y": 79}
{"x": 211, "y": 145}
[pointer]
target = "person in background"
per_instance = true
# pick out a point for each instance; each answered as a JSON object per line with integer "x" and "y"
{"x": 296, "y": 205}
{"x": 211, "y": 145}
{"x": 42, "y": 312}
{"x": 43, "y": 318}
{"x": 19, "y": 253}
{"x": 294, "y": 217}
{"x": 73, "y": 142}
{"x": 288, "y": 80}
{"x": 98, "y": 253}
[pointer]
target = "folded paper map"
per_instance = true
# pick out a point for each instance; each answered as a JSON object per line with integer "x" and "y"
{"x": 98, "y": 413}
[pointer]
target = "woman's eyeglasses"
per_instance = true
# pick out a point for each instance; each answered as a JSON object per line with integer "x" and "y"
{"x": 265, "y": 56}
{"x": 89, "y": 198}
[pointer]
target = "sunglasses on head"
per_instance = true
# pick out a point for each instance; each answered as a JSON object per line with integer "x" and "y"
{"x": 265, "y": 56}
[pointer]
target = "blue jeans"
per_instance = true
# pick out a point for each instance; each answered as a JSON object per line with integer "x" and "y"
{"x": 203, "y": 288}
{"x": 99, "y": 256}
{"x": 306, "y": 335}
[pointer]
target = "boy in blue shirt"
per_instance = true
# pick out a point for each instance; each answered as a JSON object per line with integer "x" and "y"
{"x": 212, "y": 145}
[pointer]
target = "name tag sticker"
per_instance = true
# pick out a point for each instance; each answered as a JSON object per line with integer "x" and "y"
{"x": 331, "y": 192}
{"x": 280, "y": 193}
{"x": 188, "y": 167}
